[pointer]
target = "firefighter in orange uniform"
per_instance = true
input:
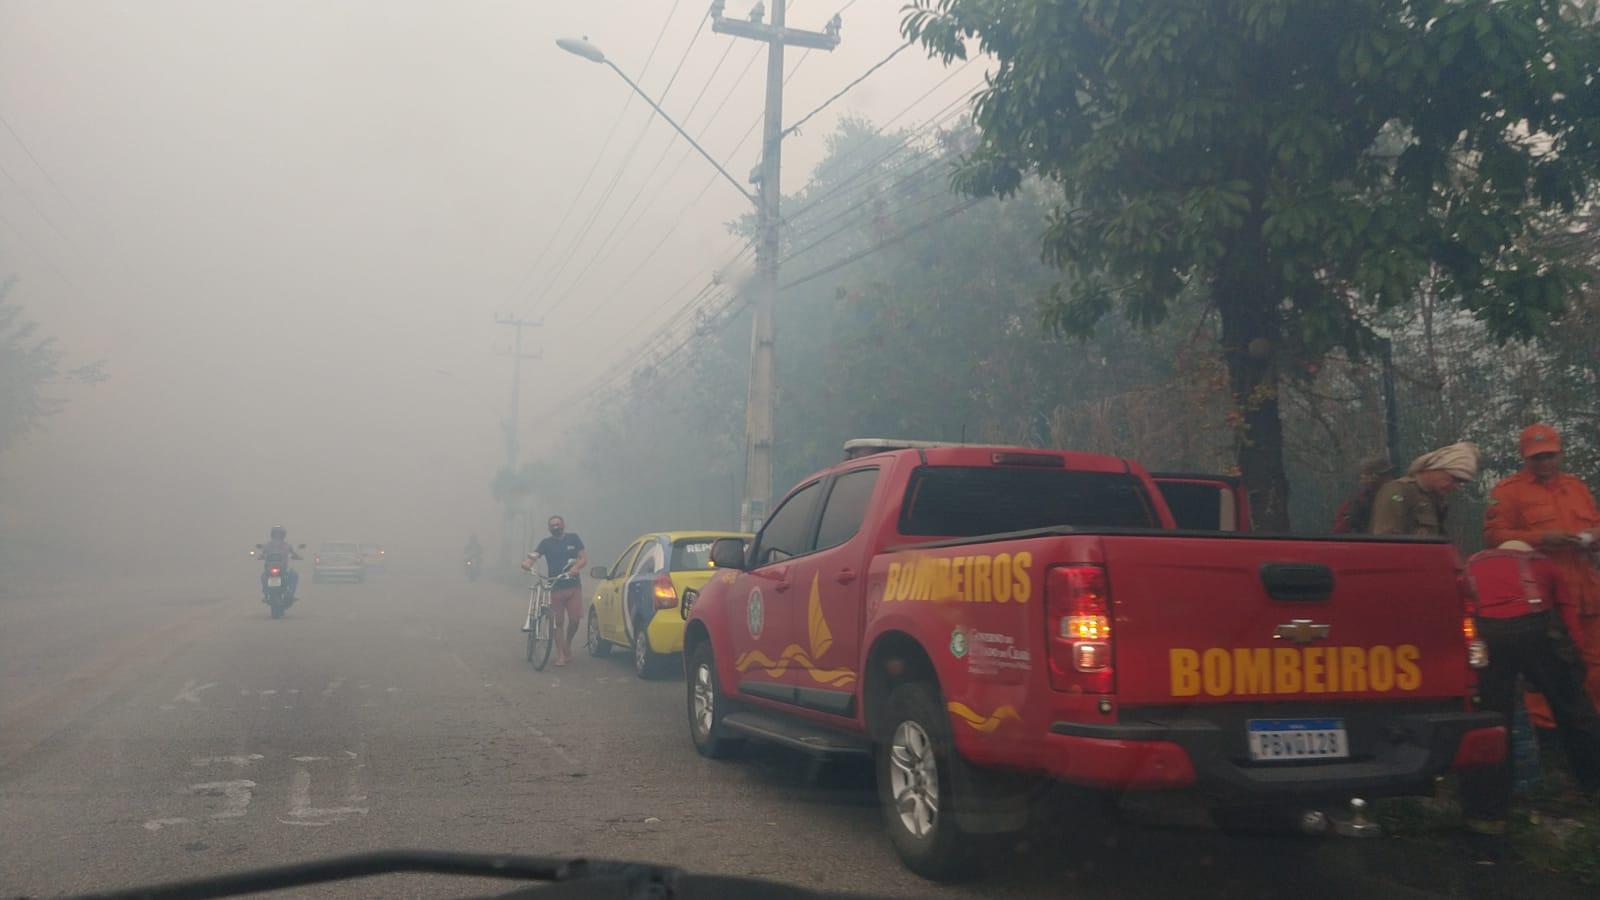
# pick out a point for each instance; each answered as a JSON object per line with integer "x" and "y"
{"x": 1554, "y": 512}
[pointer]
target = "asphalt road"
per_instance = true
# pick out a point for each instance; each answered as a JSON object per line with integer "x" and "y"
{"x": 153, "y": 729}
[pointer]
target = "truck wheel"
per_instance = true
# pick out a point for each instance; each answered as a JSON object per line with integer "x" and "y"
{"x": 592, "y": 641}
{"x": 707, "y": 706}
{"x": 915, "y": 788}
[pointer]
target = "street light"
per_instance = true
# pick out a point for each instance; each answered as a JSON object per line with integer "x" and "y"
{"x": 763, "y": 337}
{"x": 582, "y": 47}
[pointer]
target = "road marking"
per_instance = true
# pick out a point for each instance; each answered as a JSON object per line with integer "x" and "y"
{"x": 332, "y": 686}
{"x": 240, "y": 759}
{"x": 191, "y": 693}
{"x": 301, "y": 812}
{"x": 268, "y": 693}
{"x": 549, "y": 742}
{"x": 158, "y": 824}
{"x": 235, "y": 796}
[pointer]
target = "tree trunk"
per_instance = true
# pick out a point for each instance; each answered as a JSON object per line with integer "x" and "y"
{"x": 1247, "y": 297}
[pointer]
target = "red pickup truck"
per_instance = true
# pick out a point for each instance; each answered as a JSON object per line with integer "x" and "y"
{"x": 983, "y": 620}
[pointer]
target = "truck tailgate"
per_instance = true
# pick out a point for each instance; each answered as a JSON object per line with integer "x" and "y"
{"x": 1235, "y": 619}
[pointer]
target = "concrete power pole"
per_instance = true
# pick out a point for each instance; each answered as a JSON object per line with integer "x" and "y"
{"x": 513, "y": 424}
{"x": 763, "y": 338}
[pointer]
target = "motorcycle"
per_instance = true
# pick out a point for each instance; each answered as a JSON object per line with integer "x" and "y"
{"x": 275, "y": 568}
{"x": 472, "y": 567}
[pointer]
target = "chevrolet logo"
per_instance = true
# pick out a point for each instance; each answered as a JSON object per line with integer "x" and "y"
{"x": 1301, "y": 631}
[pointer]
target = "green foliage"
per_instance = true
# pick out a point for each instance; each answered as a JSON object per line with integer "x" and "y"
{"x": 30, "y": 364}
{"x": 936, "y": 336}
{"x": 1306, "y": 165}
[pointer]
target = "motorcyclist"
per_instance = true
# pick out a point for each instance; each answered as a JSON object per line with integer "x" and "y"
{"x": 278, "y": 549}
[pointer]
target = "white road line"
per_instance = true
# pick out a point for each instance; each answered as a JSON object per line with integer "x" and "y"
{"x": 158, "y": 824}
{"x": 549, "y": 742}
{"x": 301, "y": 812}
{"x": 191, "y": 693}
{"x": 238, "y": 759}
{"x": 332, "y": 686}
{"x": 236, "y": 796}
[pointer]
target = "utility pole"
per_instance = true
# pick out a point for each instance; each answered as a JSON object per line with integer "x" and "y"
{"x": 513, "y": 423}
{"x": 753, "y": 507}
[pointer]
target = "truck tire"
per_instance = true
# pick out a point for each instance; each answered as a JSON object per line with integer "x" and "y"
{"x": 707, "y": 705}
{"x": 916, "y": 790}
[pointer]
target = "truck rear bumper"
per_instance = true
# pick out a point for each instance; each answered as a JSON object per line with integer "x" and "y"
{"x": 1210, "y": 757}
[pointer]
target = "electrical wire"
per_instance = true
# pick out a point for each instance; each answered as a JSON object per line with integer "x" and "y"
{"x": 622, "y": 167}
{"x": 616, "y": 124}
{"x": 847, "y": 88}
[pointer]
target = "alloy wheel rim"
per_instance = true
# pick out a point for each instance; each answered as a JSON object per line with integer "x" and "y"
{"x": 705, "y": 699}
{"x": 914, "y": 779}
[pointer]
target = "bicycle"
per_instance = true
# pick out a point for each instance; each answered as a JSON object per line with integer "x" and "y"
{"x": 540, "y": 626}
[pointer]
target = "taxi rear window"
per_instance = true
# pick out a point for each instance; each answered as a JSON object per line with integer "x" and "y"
{"x": 691, "y": 555}
{"x": 963, "y": 501}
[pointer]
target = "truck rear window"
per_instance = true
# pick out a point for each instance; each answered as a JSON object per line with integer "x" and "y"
{"x": 961, "y": 501}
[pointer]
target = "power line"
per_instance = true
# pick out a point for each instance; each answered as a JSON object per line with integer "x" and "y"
{"x": 649, "y": 347}
{"x": 621, "y": 168}
{"x": 28, "y": 196}
{"x": 900, "y": 145}
{"x": 651, "y": 185}
{"x": 594, "y": 167}
{"x": 40, "y": 166}
{"x": 48, "y": 262}
{"x": 886, "y": 242}
{"x": 847, "y": 88}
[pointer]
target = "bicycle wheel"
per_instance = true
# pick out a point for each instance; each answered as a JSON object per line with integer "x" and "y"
{"x": 541, "y": 639}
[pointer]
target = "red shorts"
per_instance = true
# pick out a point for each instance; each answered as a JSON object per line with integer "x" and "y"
{"x": 568, "y": 600}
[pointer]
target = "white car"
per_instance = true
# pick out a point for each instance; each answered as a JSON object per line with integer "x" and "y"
{"x": 338, "y": 561}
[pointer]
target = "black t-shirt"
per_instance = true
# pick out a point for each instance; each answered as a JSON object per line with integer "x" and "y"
{"x": 559, "y": 552}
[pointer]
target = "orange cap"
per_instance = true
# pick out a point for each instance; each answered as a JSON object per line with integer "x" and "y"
{"x": 1538, "y": 439}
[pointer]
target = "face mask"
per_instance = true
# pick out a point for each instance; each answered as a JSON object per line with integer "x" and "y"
{"x": 555, "y": 530}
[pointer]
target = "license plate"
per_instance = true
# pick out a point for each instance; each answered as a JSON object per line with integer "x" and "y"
{"x": 1282, "y": 740}
{"x": 274, "y": 582}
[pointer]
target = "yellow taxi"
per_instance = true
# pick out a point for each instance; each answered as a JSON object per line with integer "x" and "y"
{"x": 635, "y": 600}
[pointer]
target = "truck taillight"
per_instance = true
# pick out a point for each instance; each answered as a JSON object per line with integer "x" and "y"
{"x": 666, "y": 595}
{"x": 276, "y": 571}
{"x": 1078, "y": 628}
{"x": 1477, "y": 650}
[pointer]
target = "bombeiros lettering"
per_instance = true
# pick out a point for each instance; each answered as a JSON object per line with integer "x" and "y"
{"x": 1262, "y": 671}
{"x": 1001, "y": 578}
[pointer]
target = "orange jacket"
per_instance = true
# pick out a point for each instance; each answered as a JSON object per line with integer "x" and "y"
{"x": 1523, "y": 509}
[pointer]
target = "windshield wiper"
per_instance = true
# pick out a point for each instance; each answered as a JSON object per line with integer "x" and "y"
{"x": 636, "y": 879}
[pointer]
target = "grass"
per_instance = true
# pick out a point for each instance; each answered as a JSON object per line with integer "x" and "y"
{"x": 1551, "y": 831}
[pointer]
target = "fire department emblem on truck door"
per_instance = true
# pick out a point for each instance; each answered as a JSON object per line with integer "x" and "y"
{"x": 755, "y": 615}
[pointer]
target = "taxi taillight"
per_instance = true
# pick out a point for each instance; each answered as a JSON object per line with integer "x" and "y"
{"x": 665, "y": 594}
{"x": 1078, "y": 628}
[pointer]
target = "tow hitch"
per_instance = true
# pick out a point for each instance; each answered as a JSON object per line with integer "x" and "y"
{"x": 1356, "y": 823}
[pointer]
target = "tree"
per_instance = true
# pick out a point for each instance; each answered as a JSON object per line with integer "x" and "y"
{"x": 1301, "y": 166}
{"x": 30, "y": 364}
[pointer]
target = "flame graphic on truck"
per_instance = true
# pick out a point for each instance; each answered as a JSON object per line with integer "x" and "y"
{"x": 794, "y": 656}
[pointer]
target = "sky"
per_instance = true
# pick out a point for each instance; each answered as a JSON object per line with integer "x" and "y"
{"x": 287, "y": 227}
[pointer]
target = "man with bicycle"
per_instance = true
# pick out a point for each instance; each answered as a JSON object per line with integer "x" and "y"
{"x": 564, "y": 557}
